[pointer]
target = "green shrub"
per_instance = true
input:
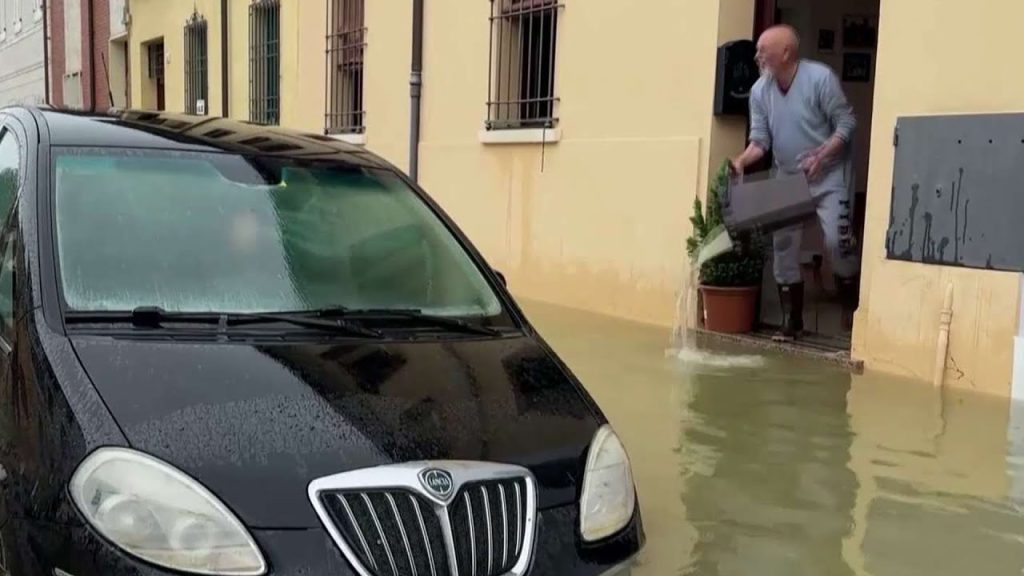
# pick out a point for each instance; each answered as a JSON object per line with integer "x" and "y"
{"x": 740, "y": 267}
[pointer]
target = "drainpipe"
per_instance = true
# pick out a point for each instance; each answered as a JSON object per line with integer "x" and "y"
{"x": 416, "y": 89}
{"x": 942, "y": 349}
{"x": 224, "y": 58}
{"x": 92, "y": 58}
{"x": 46, "y": 54}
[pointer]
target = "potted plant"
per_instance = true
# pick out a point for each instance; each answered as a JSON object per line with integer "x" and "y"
{"x": 729, "y": 283}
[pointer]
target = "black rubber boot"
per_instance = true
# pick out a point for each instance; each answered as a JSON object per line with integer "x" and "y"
{"x": 792, "y": 297}
{"x": 848, "y": 290}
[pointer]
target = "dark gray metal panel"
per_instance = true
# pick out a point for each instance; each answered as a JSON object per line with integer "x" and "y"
{"x": 958, "y": 192}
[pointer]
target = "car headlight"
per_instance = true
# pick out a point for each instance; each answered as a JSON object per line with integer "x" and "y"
{"x": 157, "y": 513}
{"x": 609, "y": 497}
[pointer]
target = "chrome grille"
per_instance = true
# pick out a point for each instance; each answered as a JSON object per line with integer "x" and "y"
{"x": 487, "y": 527}
{"x": 394, "y": 533}
{"x": 388, "y": 521}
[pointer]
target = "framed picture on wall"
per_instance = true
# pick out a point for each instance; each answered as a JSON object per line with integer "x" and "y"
{"x": 860, "y": 32}
{"x": 856, "y": 67}
{"x": 826, "y": 41}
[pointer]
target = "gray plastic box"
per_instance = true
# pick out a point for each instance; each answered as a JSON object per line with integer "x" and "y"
{"x": 766, "y": 201}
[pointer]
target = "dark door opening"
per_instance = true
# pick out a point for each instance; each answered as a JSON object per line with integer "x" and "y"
{"x": 153, "y": 92}
{"x": 842, "y": 34}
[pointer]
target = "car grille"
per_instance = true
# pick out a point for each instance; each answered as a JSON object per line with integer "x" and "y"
{"x": 487, "y": 520}
{"x": 400, "y": 532}
{"x": 392, "y": 533}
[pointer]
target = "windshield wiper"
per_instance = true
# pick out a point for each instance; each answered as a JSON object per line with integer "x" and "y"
{"x": 143, "y": 317}
{"x": 410, "y": 314}
{"x": 155, "y": 317}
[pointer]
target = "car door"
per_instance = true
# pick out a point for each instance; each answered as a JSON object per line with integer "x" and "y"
{"x": 10, "y": 182}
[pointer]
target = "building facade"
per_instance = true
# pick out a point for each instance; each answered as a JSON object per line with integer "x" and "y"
{"x": 22, "y": 79}
{"x": 81, "y": 34}
{"x": 569, "y": 139}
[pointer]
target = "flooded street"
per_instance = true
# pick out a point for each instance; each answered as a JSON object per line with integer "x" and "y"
{"x": 797, "y": 468}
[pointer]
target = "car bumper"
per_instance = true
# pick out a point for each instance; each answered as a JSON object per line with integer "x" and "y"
{"x": 36, "y": 548}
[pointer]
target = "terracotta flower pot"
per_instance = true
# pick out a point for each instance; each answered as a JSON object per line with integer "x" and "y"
{"x": 729, "y": 310}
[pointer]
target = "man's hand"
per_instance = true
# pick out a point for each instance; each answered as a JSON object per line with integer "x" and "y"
{"x": 812, "y": 164}
{"x": 814, "y": 161}
{"x": 751, "y": 155}
{"x": 736, "y": 166}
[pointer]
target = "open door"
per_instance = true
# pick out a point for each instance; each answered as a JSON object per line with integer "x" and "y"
{"x": 841, "y": 34}
{"x": 765, "y": 16}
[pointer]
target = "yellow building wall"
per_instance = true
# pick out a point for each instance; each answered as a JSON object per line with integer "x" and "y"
{"x": 238, "y": 52}
{"x": 303, "y": 60}
{"x": 386, "y": 83}
{"x": 923, "y": 73}
{"x": 599, "y": 219}
{"x": 303, "y": 64}
{"x": 153, "y": 19}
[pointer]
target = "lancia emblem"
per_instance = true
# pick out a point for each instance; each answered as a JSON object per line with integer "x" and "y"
{"x": 438, "y": 482}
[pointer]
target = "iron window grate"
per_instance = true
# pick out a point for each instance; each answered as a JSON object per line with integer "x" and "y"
{"x": 521, "y": 83}
{"x": 197, "y": 84}
{"x": 346, "y": 48}
{"x": 265, "y": 62}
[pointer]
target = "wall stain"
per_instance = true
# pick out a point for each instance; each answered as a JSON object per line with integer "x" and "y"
{"x": 914, "y": 200}
{"x": 956, "y": 217}
{"x": 928, "y": 246}
{"x": 958, "y": 374}
{"x": 966, "y": 204}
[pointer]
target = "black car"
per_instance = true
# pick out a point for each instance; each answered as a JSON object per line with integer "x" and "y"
{"x": 231, "y": 349}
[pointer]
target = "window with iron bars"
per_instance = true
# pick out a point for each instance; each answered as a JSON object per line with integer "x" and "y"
{"x": 346, "y": 44}
{"x": 522, "y": 66}
{"x": 265, "y": 62}
{"x": 197, "y": 84}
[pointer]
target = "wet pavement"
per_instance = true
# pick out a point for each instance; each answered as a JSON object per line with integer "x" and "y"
{"x": 797, "y": 467}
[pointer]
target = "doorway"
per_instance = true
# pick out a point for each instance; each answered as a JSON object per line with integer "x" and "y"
{"x": 153, "y": 96}
{"x": 117, "y": 72}
{"x": 842, "y": 34}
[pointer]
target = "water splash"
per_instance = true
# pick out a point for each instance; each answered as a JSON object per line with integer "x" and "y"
{"x": 718, "y": 242}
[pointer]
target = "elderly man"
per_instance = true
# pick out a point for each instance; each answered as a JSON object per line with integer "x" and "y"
{"x": 799, "y": 112}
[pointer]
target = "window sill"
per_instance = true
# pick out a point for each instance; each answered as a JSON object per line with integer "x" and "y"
{"x": 521, "y": 136}
{"x": 356, "y": 139}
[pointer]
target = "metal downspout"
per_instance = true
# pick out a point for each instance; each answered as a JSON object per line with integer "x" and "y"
{"x": 46, "y": 53}
{"x": 225, "y": 99}
{"x": 416, "y": 89}
{"x": 92, "y": 57}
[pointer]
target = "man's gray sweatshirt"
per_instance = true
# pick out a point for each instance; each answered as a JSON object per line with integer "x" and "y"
{"x": 802, "y": 119}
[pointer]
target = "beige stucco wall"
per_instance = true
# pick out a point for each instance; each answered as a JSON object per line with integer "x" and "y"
{"x": 897, "y": 324}
{"x": 302, "y": 56}
{"x": 387, "y": 63}
{"x": 152, "y": 19}
{"x": 599, "y": 219}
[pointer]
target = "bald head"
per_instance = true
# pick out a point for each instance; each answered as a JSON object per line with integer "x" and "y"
{"x": 778, "y": 49}
{"x": 783, "y": 34}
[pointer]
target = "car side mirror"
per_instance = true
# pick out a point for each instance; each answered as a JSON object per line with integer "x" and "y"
{"x": 501, "y": 277}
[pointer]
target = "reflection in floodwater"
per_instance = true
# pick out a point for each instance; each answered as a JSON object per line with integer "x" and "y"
{"x": 796, "y": 468}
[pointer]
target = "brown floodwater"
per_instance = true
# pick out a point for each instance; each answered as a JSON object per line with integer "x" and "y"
{"x": 793, "y": 467}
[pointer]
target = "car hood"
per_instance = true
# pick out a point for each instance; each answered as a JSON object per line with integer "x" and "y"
{"x": 257, "y": 423}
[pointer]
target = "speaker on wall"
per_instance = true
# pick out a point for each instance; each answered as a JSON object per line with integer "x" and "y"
{"x": 735, "y": 74}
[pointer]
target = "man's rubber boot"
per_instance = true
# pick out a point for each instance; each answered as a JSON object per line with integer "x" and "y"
{"x": 848, "y": 290}
{"x": 792, "y": 296}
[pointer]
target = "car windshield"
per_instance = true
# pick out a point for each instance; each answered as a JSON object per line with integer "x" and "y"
{"x": 211, "y": 232}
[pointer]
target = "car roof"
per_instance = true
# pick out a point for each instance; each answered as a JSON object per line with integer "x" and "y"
{"x": 170, "y": 131}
